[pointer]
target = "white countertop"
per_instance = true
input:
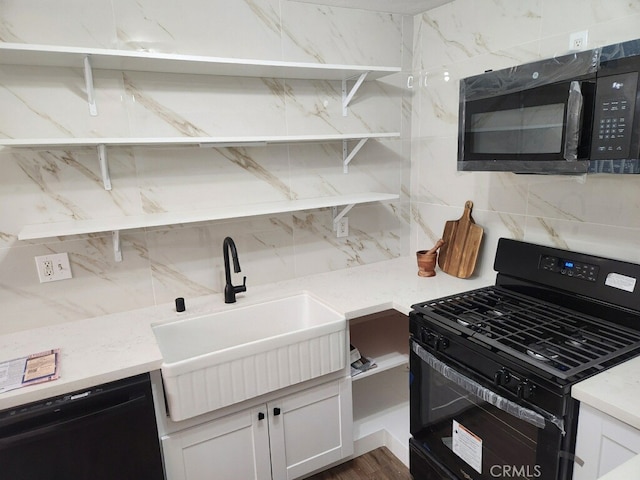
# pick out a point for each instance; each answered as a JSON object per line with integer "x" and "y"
{"x": 107, "y": 348}
{"x": 614, "y": 392}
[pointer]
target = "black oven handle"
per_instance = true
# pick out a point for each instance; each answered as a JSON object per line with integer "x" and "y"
{"x": 573, "y": 122}
{"x": 110, "y": 410}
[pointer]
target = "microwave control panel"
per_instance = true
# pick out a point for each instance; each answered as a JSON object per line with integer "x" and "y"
{"x": 613, "y": 116}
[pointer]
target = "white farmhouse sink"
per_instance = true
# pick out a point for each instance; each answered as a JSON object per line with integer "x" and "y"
{"x": 226, "y": 357}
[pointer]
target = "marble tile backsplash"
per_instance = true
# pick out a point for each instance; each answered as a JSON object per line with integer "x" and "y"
{"x": 58, "y": 185}
{"x": 595, "y": 213}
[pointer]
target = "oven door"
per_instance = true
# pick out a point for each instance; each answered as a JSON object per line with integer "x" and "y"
{"x": 463, "y": 430}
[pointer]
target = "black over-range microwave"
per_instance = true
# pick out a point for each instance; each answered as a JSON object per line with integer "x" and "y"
{"x": 571, "y": 114}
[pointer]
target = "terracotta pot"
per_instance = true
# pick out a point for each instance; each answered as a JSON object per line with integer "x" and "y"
{"x": 427, "y": 263}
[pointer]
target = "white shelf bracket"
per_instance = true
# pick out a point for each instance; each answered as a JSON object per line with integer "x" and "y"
{"x": 338, "y": 216}
{"x": 88, "y": 80}
{"x": 346, "y": 156}
{"x": 104, "y": 167}
{"x": 348, "y": 95}
{"x": 117, "y": 248}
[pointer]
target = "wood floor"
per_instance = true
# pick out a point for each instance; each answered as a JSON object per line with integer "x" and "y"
{"x": 379, "y": 464}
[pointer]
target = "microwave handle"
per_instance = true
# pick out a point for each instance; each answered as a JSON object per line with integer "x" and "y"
{"x": 573, "y": 122}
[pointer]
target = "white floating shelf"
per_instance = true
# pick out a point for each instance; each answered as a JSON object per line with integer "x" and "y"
{"x": 80, "y": 227}
{"x": 202, "y": 141}
{"x": 60, "y": 56}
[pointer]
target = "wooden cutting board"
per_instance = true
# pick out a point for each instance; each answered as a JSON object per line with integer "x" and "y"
{"x": 462, "y": 240}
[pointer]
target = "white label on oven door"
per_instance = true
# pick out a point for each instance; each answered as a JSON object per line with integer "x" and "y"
{"x": 467, "y": 446}
{"x": 621, "y": 282}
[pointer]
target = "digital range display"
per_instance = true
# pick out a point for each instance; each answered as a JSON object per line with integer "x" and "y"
{"x": 570, "y": 268}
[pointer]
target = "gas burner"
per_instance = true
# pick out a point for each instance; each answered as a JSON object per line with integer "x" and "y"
{"x": 576, "y": 340}
{"x": 467, "y": 319}
{"x": 480, "y": 318}
{"x": 475, "y": 326}
{"x": 573, "y": 336}
{"x": 542, "y": 351}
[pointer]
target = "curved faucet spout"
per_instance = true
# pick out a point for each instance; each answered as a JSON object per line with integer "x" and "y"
{"x": 230, "y": 244}
{"x": 229, "y": 289}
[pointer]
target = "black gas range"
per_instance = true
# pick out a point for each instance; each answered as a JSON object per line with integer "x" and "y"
{"x": 492, "y": 368}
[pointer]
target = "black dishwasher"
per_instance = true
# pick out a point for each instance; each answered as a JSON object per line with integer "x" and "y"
{"x": 102, "y": 433}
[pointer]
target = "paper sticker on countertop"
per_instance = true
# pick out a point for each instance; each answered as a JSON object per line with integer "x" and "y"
{"x": 467, "y": 446}
{"x": 36, "y": 368}
{"x": 621, "y": 282}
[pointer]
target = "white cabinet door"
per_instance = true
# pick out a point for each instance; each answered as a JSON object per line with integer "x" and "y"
{"x": 603, "y": 443}
{"x": 310, "y": 429}
{"x": 291, "y": 436}
{"x": 230, "y": 448}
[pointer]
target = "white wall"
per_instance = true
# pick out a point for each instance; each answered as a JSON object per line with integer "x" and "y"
{"x": 38, "y": 186}
{"x": 597, "y": 214}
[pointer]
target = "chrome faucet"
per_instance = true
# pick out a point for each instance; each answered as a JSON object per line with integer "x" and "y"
{"x": 229, "y": 289}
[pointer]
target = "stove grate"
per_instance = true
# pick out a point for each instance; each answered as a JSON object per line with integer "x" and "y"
{"x": 555, "y": 339}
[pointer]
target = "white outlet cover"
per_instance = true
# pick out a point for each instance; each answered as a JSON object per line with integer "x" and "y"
{"x": 61, "y": 267}
{"x": 578, "y": 40}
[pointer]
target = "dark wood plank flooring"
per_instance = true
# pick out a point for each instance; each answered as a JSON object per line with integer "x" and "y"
{"x": 379, "y": 464}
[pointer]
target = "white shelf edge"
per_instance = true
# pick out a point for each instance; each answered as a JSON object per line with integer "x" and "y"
{"x": 384, "y": 363}
{"x": 112, "y": 59}
{"x": 203, "y": 141}
{"x": 80, "y": 227}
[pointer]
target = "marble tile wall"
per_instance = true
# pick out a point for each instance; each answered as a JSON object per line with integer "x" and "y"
{"x": 596, "y": 213}
{"x": 41, "y": 186}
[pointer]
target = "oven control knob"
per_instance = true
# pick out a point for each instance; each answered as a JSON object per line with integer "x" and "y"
{"x": 438, "y": 342}
{"x": 525, "y": 390}
{"x": 501, "y": 377}
{"x": 442, "y": 343}
{"x": 426, "y": 336}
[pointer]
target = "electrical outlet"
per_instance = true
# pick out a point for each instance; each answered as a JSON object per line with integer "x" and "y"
{"x": 343, "y": 227}
{"x": 54, "y": 267}
{"x": 578, "y": 40}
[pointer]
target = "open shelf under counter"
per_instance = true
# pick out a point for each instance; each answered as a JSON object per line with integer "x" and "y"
{"x": 381, "y": 404}
{"x": 115, "y": 224}
{"x": 387, "y": 393}
{"x": 383, "y": 338}
{"x": 213, "y": 142}
{"x": 112, "y": 59}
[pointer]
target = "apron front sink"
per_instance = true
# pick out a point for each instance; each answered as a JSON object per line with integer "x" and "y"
{"x": 227, "y": 357}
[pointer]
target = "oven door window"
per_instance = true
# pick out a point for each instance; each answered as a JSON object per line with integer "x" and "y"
{"x": 474, "y": 438}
